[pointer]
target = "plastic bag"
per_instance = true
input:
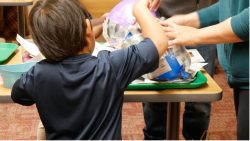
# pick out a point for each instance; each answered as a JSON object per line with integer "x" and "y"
{"x": 121, "y": 30}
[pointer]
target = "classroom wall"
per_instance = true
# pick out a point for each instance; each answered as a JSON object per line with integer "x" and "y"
{"x": 99, "y": 7}
{"x": 96, "y": 7}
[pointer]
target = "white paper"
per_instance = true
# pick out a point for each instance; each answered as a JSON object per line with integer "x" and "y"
{"x": 197, "y": 62}
{"x": 30, "y": 47}
{"x": 195, "y": 56}
{"x": 197, "y": 66}
{"x": 148, "y": 81}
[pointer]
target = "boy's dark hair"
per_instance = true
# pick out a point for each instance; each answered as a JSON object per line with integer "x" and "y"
{"x": 58, "y": 27}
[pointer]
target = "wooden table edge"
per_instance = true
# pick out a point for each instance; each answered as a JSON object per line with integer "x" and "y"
{"x": 16, "y": 3}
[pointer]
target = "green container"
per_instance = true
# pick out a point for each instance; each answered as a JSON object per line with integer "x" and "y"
{"x": 199, "y": 81}
{"x": 6, "y": 50}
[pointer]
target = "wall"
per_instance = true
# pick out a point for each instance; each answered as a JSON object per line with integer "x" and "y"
{"x": 99, "y": 7}
{"x": 96, "y": 7}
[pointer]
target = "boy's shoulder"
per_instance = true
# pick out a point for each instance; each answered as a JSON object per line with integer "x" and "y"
{"x": 42, "y": 67}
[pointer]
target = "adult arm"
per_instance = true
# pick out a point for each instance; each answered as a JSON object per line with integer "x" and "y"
{"x": 234, "y": 29}
{"x": 204, "y": 17}
{"x": 209, "y": 16}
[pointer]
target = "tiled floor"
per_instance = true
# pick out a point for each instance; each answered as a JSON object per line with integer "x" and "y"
{"x": 18, "y": 122}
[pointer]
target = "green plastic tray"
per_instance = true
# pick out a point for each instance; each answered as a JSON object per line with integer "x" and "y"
{"x": 199, "y": 81}
{"x": 6, "y": 50}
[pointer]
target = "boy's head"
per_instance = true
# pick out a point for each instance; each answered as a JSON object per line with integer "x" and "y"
{"x": 61, "y": 28}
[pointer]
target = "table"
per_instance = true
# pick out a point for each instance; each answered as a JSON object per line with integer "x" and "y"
{"x": 208, "y": 93}
{"x": 20, "y": 12}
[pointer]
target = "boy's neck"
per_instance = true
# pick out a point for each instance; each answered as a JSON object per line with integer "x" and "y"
{"x": 85, "y": 50}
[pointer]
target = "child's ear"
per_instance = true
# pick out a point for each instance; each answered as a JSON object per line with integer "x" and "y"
{"x": 89, "y": 30}
{"x": 90, "y": 35}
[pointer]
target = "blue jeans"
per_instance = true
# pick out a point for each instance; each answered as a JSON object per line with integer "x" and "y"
{"x": 196, "y": 116}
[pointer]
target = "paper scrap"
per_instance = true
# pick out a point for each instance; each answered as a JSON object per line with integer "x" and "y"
{"x": 195, "y": 56}
{"x": 197, "y": 66}
{"x": 30, "y": 47}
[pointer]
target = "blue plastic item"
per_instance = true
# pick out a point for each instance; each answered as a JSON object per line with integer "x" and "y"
{"x": 178, "y": 71}
{"x": 10, "y": 73}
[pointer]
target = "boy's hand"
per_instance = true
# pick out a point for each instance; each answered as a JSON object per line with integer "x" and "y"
{"x": 104, "y": 16}
{"x": 150, "y": 4}
{"x": 97, "y": 25}
{"x": 142, "y": 3}
{"x": 155, "y": 5}
{"x": 150, "y": 26}
{"x": 181, "y": 35}
{"x": 100, "y": 20}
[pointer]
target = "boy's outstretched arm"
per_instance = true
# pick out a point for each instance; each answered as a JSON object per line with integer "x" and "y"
{"x": 97, "y": 25}
{"x": 150, "y": 26}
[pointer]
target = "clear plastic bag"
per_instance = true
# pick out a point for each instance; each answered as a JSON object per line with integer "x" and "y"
{"x": 121, "y": 30}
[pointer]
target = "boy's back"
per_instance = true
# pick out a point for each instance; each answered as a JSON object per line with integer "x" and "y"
{"x": 81, "y": 97}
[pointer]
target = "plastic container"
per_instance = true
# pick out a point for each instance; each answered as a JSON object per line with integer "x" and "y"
{"x": 10, "y": 73}
{"x": 6, "y": 50}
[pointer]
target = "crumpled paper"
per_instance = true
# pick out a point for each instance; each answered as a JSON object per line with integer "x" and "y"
{"x": 121, "y": 30}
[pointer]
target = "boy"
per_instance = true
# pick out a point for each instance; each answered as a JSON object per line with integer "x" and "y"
{"x": 79, "y": 96}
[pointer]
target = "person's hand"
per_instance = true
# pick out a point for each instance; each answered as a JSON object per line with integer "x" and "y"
{"x": 177, "y": 19}
{"x": 181, "y": 35}
{"x": 105, "y": 15}
{"x": 155, "y": 5}
{"x": 100, "y": 20}
{"x": 191, "y": 19}
{"x": 152, "y": 5}
{"x": 142, "y": 3}
{"x": 141, "y": 7}
{"x": 150, "y": 27}
{"x": 97, "y": 25}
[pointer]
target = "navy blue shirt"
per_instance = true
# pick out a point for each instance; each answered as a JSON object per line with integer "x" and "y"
{"x": 81, "y": 97}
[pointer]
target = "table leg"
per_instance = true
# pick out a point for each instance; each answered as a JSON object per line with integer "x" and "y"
{"x": 173, "y": 120}
{"x": 21, "y": 21}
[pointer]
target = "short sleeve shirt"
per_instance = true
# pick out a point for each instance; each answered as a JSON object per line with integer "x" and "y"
{"x": 81, "y": 97}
